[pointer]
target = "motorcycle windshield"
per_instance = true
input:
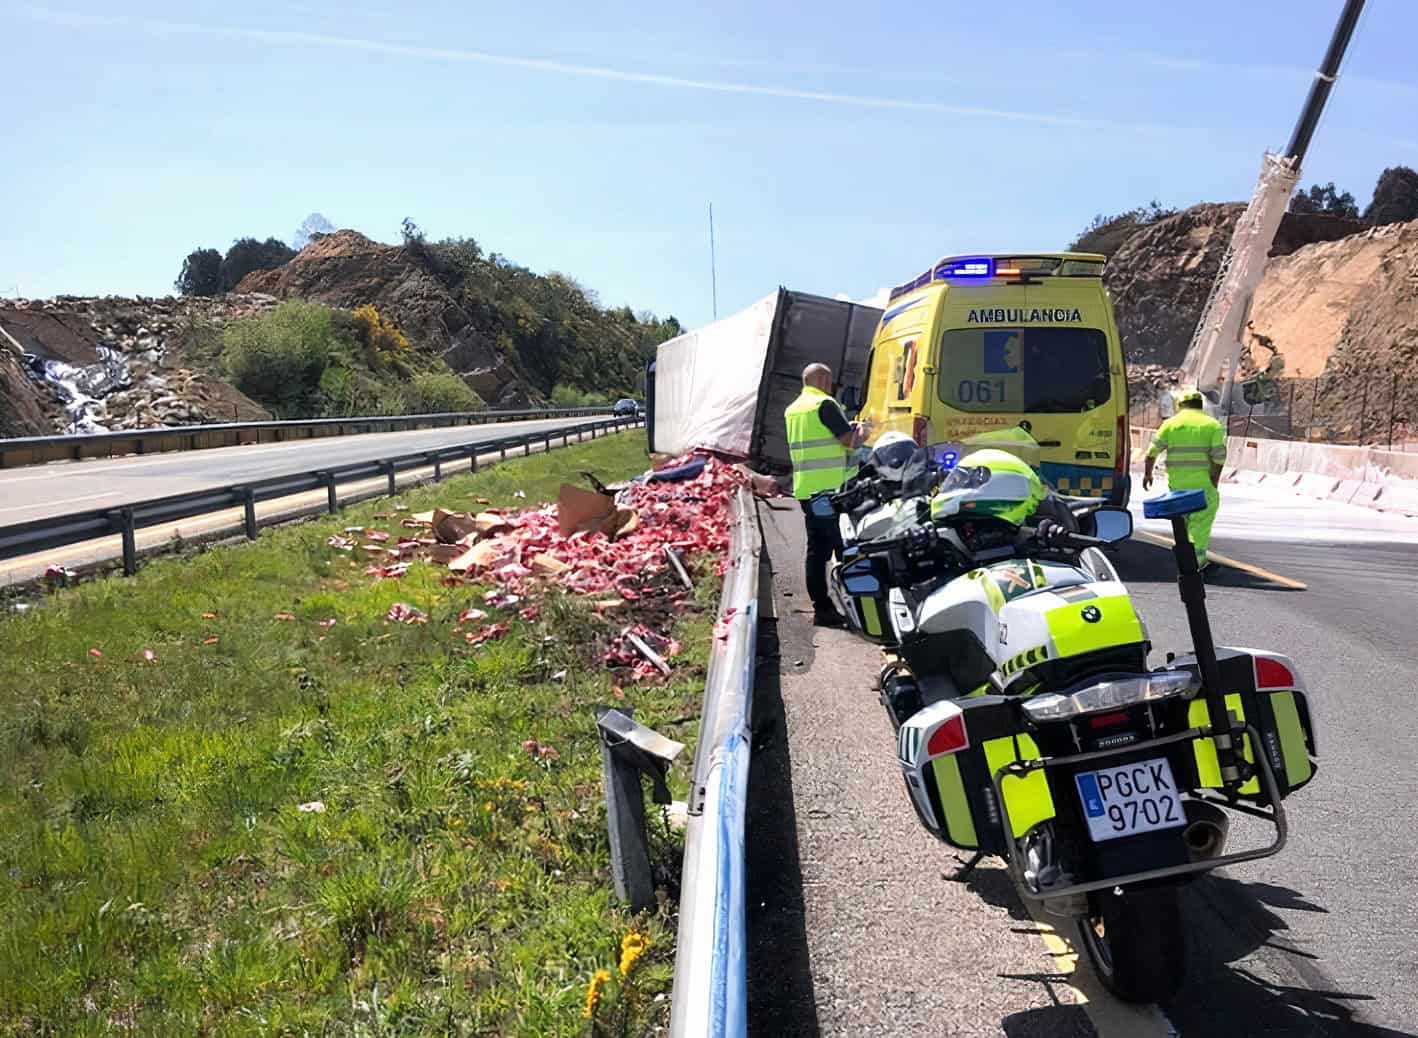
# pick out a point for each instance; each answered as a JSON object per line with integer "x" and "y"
{"x": 943, "y": 448}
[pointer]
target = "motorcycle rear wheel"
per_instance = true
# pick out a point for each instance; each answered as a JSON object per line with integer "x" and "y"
{"x": 1136, "y": 942}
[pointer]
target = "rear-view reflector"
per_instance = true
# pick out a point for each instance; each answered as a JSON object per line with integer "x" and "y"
{"x": 948, "y": 738}
{"x": 1271, "y": 673}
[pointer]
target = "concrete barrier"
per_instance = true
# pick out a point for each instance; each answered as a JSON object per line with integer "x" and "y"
{"x": 1396, "y": 497}
{"x": 1368, "y": 476}
{"x": 1346, "y": 490}
{"x": 1312, "y": 484}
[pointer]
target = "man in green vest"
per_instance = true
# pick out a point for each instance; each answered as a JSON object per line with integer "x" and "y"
{"x": 820, "y": 442}
{"x": 1195, "y": 445}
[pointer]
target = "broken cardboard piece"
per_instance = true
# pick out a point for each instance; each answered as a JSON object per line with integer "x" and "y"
{"x": 452, "y": 527}
{"x": 579, "y": 509}
{"x": 545, "y": 565}
{"x": 479, "y": 556}
{"x": 489, "y": 523}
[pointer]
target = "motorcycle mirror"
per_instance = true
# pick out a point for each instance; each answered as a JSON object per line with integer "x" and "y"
{"x": 1112, "y": 524}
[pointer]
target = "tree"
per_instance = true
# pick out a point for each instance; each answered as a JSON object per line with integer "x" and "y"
{"x": 312, "y": 227}
{"x": 1395, "y": 197}
{"x": 248, "y": 254}
{"x": 201, "y": 273}
{"x": 1325, "y": 201}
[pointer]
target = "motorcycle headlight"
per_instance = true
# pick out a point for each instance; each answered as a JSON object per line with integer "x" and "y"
{"x": 1112, "y": 694}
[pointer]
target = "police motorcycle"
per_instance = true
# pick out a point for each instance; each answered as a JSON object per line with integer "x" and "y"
{"x": 1030, "y": 725}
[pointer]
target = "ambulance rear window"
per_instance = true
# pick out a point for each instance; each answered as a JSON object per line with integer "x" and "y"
{"x": 1024, "y": 370}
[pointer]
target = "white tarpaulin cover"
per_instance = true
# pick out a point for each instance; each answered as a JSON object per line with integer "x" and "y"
{"x": 707, "y": 382}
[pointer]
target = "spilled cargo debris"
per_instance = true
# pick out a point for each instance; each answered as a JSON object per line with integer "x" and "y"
{"x": 628, "y": 547}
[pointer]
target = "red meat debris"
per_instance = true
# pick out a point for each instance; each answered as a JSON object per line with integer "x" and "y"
{"x": 539, "y": 750}
{"x": 388, "y": 572}
{"x": 488, "y": 633}
{"x": 341, "y": 543}
{"x": 470, "y": 615}
{"x": 403, "y": 613}
{"x": 150, "y": 655}
{"x": 378, "y": 536}
{"x": 531, "y": 614}
{"x": 283, "y": 616}
{"x": 96, "y": 653}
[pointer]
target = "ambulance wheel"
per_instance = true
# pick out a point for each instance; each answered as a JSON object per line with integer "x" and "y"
{"x": 1136, "y": 942}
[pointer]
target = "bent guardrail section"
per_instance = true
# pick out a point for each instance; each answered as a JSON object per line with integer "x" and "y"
{"x": 61, "y": 531}
{"x": 37, "y": 450}
{"x": 710, "y": 969}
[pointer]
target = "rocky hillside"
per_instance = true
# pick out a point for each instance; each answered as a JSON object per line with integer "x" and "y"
{"x": 1162, "y": 274}
{"x": 513, "y": 335}
{"x": 345, "y": 269}
{"x": 1339, "y": 300}
{"x": 75, "y": 364}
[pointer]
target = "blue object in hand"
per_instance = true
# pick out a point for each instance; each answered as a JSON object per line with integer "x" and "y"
{"x": 1174, "y": 503}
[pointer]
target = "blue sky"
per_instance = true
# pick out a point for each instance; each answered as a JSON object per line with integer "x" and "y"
{"x": 842, "y": 150}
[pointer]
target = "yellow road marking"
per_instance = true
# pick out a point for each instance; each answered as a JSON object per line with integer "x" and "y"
{"x": 1110, "y": 1018}
{"x": 1226, "y": 560}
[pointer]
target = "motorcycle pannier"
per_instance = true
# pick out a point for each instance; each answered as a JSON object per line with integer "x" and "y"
{"x": 864, "y": 580}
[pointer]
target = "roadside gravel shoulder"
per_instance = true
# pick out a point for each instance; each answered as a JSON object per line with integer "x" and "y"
{"x": 893, "y": 946}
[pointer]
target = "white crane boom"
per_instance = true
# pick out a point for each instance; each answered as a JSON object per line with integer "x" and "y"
{"x": 1216, "y": 343}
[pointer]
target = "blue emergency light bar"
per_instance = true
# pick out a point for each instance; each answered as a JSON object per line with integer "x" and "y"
{"x": 970, "y": 267}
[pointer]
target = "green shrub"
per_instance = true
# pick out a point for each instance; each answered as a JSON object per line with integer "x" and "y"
{"x": 438, "y": 393}
{"x": 279, "y": 358}
{"x": 569, "y": 396}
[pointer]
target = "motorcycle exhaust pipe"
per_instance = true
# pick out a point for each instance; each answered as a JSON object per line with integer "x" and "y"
{"x": 1205, "y": 835}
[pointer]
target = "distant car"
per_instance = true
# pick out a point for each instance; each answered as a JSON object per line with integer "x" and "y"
{"x": 625, "y": 406}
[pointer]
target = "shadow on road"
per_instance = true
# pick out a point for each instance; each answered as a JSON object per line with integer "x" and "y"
{"x": 1142, "y": 562}
{"x": 1285, "y": 992}
{"x": 781, "y": 1000}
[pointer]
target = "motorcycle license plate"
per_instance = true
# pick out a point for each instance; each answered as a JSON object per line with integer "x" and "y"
{"x": 1131, "y": 799}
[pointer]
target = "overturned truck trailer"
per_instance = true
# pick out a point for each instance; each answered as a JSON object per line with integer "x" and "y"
{"x": 724, "y": 387}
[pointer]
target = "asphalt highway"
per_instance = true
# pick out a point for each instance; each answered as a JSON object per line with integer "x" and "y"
{"x": 55, "y": 489}
{"x": 855, "y": 928}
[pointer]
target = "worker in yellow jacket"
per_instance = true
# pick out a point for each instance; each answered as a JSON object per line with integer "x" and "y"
{"x": 1195, "y": 445}
{"x": 820, "y": 442}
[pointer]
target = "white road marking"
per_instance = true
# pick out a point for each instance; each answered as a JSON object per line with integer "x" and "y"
{"x": 66, "y": 501}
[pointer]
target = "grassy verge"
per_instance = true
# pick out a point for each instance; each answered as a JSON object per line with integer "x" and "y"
{"x": 293, "y": 826}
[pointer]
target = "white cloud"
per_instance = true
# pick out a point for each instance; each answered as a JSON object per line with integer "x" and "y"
{"x": 282, "y": 37}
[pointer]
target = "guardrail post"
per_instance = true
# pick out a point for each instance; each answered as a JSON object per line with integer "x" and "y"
{"x": 330, "y": 491}
{"x": 437, "y": 469}
{"x": 389, "y": 471}
{"x": 504, "y": 451}
{"x": 546, "y": 442}
{"x": 473, "y": 460}
{"x": 249, "y": 506}
{"x": 526, "y": 446}
{"x": 123, "y": 519}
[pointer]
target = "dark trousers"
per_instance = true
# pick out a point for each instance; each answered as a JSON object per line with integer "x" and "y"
{"x": 824, "y": 540}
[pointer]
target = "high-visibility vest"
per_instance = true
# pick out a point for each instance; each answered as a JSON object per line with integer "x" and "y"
{"x": 819, "y": 459}
{"x": 1194, "y": 441}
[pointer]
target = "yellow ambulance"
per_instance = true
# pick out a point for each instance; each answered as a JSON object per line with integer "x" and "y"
{"x": 978, "y": 348}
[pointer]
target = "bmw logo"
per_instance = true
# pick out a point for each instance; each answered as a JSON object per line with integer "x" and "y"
{"x": 1092, "y": 614}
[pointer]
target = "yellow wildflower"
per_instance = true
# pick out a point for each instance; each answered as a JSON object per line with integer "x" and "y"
{"x": 593, "y": 993}
{"x": 632, "y": 946}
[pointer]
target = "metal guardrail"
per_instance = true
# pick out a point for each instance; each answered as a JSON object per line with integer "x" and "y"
{"x": 710, "y": 989}
{"x": 37, "y": 450}
{"x": 37, "y": 535}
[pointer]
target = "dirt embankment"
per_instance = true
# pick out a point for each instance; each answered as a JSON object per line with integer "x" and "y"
{"x": 73, "y": 364}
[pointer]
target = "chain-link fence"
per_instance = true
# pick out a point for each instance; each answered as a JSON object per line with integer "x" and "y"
{"x": 1379, "y": 409}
